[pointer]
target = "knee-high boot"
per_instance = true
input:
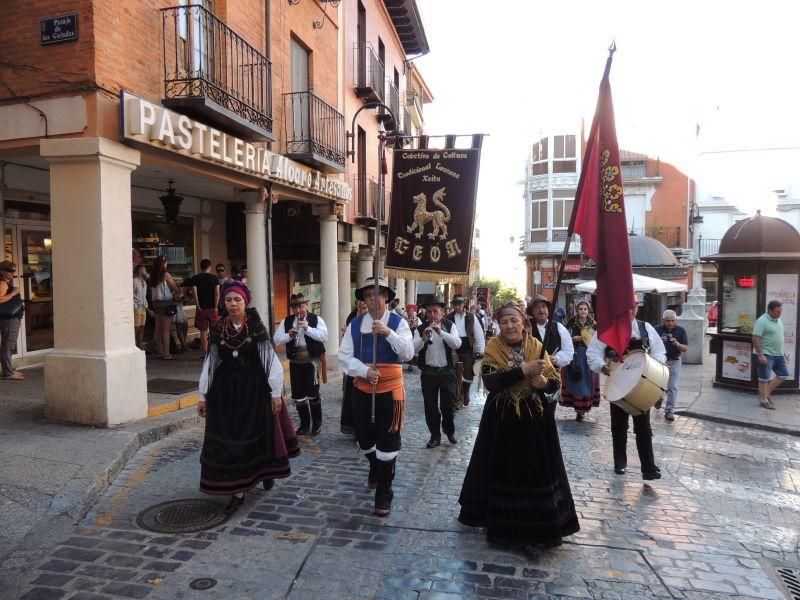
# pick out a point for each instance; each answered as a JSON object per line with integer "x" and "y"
{"x": 620, "y": 442}
{"x": 465, "y": 391}
{"x": 316, "y": 415}
{"x": 384, "y": 471}
{"x": 372, "y": 479}
{"x": 304, "y": 412}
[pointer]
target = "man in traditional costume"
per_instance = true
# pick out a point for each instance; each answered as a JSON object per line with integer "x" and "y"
{"x": 378, "y": 439}
{"x": 643, "y": 337}
{"x": 472, "y": 344}
{"x": 559, "y": 343}
{"x": 304, "y": 334}
{"x": 436, "y": 342}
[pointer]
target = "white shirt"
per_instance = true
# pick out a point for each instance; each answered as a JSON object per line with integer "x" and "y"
{"x": 596, "y": 353}
{"x": 477, "y": 330}
{"x": 436, "y": 354}
{"x": 566, "y": 351}
{"x": 318, "y": 333}
{"x": 400, "y": 342}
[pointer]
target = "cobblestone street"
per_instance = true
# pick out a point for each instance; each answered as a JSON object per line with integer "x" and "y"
{"x": 725, "y": 515}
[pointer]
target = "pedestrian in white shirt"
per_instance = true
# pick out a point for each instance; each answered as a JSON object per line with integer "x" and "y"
{"x": 473, "y": 343}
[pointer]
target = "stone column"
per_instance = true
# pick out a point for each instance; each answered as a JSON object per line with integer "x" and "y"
{"x": 329, "y": 275}
{"x": 400, "y": 289}
{"x": 95, "y": 374}
{"x": 693, "y": 320}
{"x": 365, "y": 258}
{"x": 345, "y": 301}
{"x": 255, "y": 226}
{"x": 411, "y": 291}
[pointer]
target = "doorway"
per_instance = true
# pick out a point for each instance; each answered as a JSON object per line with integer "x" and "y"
{"x": 29, "y": 246}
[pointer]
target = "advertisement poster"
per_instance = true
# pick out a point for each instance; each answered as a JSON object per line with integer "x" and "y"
{"x": 736, "y": 360}
{"x": 783, "y": 287}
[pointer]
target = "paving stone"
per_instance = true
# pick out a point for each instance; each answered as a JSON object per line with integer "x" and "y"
{"x": 43, "y": 593}
{"x": 60, "y": 566}
{"x": 500, "y": 569}
{"x": 162, "y": 565}
{"x": 111, "y": 573}
{"x": 126, "y": 590}
{"x": 81, "y": 554}
{"x": 49, "y": 579}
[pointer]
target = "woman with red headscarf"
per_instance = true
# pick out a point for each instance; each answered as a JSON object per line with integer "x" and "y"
{"x": 249, "y": 436}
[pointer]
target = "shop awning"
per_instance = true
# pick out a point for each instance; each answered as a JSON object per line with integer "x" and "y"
{"x": 649, "y": 285}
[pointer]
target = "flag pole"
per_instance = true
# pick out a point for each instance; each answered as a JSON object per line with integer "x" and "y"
{"x": 581, "y": 181}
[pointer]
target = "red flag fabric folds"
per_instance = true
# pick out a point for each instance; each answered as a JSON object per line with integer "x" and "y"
{"x": 599, "y": 218}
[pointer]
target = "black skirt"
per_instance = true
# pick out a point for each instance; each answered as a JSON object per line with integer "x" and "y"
{"x": 516, "y": 485}
{"x": 244, "y": 442}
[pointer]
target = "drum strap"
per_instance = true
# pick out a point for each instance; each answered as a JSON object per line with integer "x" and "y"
{"x": 644, "y": 336}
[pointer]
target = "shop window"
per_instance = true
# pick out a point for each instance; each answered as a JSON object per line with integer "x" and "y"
{"x": 739, "y": 303}
{"x": 153, "y": 236}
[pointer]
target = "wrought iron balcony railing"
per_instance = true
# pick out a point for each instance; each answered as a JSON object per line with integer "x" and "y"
{"x": 369, "y": 74}
{"x": 707, "y": 247}
{"x": 406, "y": 127}
{"x": 669, "y": 236}
{"x": 210, "y": 72}
{"x": 367, "y": 194}
{"x": 392, "y": 100}
{"x": 314, "y": 131}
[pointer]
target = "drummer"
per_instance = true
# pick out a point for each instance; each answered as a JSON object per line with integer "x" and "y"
{"x": 598, "y": 355}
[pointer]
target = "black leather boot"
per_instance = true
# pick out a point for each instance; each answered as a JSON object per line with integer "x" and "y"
{"x": 372, "y": 479}
{"x": 620, "y": 441}
{"x": 316, "y": 415}
{"x": 305, "y": 417}
{"x": 465, "y": 391}
{"x": 384, "y": 494}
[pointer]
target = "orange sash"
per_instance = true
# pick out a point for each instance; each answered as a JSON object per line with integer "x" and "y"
{"x": 391, "y": 380}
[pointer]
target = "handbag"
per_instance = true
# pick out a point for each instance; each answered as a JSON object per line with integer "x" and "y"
{"x": 13, "y": 308}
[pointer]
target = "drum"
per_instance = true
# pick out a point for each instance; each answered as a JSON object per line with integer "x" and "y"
{"x": 636, "y": 384}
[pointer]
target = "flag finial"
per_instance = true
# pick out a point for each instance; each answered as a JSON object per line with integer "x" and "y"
{"x": 613, "y": 47}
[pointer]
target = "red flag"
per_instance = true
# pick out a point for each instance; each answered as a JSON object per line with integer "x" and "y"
{"x": 599, "y": 218}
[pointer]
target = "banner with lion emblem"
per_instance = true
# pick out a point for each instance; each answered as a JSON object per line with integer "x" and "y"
{"x": 432, "y": 213}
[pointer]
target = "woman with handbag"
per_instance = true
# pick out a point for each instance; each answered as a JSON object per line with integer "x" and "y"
{"x": 164, "y": 293}
{"x": 11, "y": 309}
{"x": 516, "y": 485}
{"x": 580, "y": 387}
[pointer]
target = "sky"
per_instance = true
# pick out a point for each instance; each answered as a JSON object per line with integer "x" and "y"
{"x": 510, "y": 69}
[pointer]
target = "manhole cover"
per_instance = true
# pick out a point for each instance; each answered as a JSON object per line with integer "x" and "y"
{"x": 203, "y": 583}
{"x": 791, "y": 581}
{"x": 182, "y": 516}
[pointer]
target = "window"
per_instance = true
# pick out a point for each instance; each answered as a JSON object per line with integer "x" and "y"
{"x": 539, "y": 158}
{"x": 539, "y": 216}
{"x": 564, "y": 155}
{"x": 562, "y": 207}
{"x": 632, "y": 169}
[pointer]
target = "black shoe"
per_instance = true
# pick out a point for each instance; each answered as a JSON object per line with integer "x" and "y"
{"x": 452, "y": 438}
{"x": 268, "y": 484}
{"x": 433, "y": 442}
{"x": 669, "y": 416}
{"x": 234, "y": 504}
{"x": 347, "y": 430}
{"x": 658, "y": 403}
{"x": 650, "y": 475}
{"x": 383, "y": 501}
{"x": 579, "y": 417}
{"x": 619, "y": 470}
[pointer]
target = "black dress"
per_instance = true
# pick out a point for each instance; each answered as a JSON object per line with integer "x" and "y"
{"x": 244, "y": 442}
{"x": 516, "y": 485}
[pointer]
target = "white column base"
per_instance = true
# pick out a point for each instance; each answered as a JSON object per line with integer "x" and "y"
{"x": 100, "y": 390}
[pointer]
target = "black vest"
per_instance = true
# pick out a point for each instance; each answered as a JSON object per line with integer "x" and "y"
{"x": 447, "y": 325}
{"x": 469, "y": 325}
{"x": 553, "y": 340}
{"x": 634, "y": 344}
{"x": 315, "y": 348}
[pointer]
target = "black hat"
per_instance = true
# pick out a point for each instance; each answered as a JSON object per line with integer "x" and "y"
{"x": 458, "y": 300}
{"x": 428, "y": 299}
{"x": 370, "y": 283}
{"x": 297, "y": 299}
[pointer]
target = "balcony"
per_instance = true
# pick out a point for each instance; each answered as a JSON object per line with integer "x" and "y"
{"x": 314, "y": 132}
{"x": 367, "y": 198}
{"x": 669, "y": 236}
{"x": 370, "y": 74}
{"x": 392, "y": 100}
{"x": 706, "y": 247}
{"x": 212, "y": 74}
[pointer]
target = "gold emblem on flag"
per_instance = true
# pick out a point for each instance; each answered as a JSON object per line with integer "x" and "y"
{"x": 612, "y": 191}
{"x": 422, "y": 216}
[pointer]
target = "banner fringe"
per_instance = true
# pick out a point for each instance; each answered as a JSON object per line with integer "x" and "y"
{"x": 428, "y": 276}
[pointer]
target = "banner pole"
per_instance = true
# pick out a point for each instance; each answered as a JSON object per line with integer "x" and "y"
{"x": 376, "y": 264}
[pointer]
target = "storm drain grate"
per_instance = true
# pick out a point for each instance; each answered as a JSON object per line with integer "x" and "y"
{"x": 182, "y": 516}
{"x": 791, "y": 581}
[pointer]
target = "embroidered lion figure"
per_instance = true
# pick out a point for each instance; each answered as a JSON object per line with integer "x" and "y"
{"x": 422, "y": 216}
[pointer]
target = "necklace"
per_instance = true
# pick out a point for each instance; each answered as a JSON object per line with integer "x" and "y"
{"x": 235, "y": 338}
{"x": 515, "y": 356}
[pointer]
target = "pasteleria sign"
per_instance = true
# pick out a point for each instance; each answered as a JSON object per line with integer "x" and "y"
{"x": 148, "y": 123}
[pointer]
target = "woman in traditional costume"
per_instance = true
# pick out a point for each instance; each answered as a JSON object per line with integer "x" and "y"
{"x": 580, "y": 387}
{"x": 516, "y": 485}
{"x": 249, "y": 436}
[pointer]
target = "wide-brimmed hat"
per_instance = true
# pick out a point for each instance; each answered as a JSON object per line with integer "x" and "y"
{"x": 370, "y": 283}
{"x": 8, "y": 266}
{"x": 539, "y": 298}
{"x": 297, "y": 299}
{"x": 458, "y": 300}
{"x": 428, "y": 299}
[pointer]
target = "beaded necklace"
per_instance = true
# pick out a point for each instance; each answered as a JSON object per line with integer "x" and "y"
{"x": 231, "y": 335}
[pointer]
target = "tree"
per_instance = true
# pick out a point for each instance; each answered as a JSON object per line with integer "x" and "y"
{"x": 494, "y": 285}
{"x": 505, "y": 294}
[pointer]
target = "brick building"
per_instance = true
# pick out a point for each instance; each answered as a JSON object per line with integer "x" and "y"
{"x": 240, "y": 109}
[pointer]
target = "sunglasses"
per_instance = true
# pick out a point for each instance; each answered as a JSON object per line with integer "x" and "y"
{"x": 220, "y": 270}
